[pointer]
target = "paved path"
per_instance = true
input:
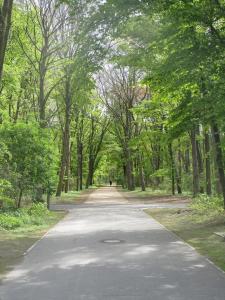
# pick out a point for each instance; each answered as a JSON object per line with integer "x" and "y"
{"x": 73, "y": 263}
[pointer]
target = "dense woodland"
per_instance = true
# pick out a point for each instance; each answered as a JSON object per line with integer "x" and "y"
{"x": 129, "y": 91}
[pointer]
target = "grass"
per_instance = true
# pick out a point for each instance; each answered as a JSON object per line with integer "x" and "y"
{"x": 70, "y": 197}
{"x": 197, "y": 227}
{"x": 153, "y": 195}
{"x": 15, "y": 241}
{"x": 147, "y": 193}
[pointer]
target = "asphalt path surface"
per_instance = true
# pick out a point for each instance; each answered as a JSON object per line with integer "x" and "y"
{"x": 108, "y": 249}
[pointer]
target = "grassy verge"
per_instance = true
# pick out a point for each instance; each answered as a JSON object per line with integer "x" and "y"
{"x": 197, "y": 227}
{"x": 153, "y": 195}
{"x": 16, "y": 237}
{"x": 147, "y": 193}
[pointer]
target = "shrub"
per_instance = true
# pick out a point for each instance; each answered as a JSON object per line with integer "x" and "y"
{"x": 30, "y": 163}
{"x": 38, "y": 210}
{"x": 206, "y": 204}
{"x": 37, "y": 214}
{"x": 10, "y": 222}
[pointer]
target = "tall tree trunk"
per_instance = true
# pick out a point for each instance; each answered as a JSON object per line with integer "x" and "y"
{"x": 187, "y": 160}
{"x": 90, "y": 176}
{"x": 20, "y": 198}
{"x": 66, "y": 139}
{"x": 141, "y": 172}
{"x": 218, "y": 188}
{"x": 5, "y": 24}
{"x": 48, "y": 200}
{"x": 62, "y": 165}
{"x": 194, "y": 163}
{"x": 41, "y": 100}
{"x": 67, "y": 173}
{"x": 200, "y": 162}
{"x": 79, "y": 164}
{"x": 219, "y": 157}
{"x": 172, "y": 164}
{"x": 124, "y": 177}
{"x": 179, "y": 171}
{"x": 129, "y": 170}
{"x": 207, "y": 163}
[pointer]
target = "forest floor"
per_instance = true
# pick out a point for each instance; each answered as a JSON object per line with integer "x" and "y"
{"x": 197, "y": 229}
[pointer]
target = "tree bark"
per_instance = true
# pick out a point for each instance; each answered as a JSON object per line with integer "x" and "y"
{"x": 124, "y": 177}
{"x": 5, "y": 24}
{"x": 179, "y": 171}
{"x": 194, "y": 163}
{"x": 48, "y": 200}
{"x": 172, "y": 168}
{"x": 66, "y": 138}
{"x": 187, "y": 160}
{"x": 42, "y": 120}
{"x": 79, "y": 164}
{"x": 129, "y": 170}
{"x": 141, "y": 173}
{"x": 90, "y": 176}
{"x": 200, "y": 162}
{"x": 207, "y": 164}
{"x": 219, "y": 157}
{"x": 20, "y": 198}
{"x": 67, "y": 174}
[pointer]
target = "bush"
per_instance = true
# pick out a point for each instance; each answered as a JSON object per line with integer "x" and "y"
{"x": 37, "y": 214}
{"x": 38, "y": 210}
{"x": 206, "y": 204}
{"x": 10, "y": 222}
{"x": 29, "y": 164}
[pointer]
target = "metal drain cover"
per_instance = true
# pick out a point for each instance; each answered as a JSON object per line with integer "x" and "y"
{"x": 112, "y": 241}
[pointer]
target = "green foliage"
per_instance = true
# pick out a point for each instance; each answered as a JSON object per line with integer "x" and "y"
{"x": 9, "y": 222}
{"x": 32, "y": 160}
{"x": 37, "y": 214}
{"x": 204, "y": 204}
{"x": 160, "y": 173}
{"x": 38, "y": 210}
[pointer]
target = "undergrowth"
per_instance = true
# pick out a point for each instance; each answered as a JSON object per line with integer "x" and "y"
{"x": 37, "y": 214}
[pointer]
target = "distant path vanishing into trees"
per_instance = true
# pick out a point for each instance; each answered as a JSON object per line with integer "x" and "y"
{"x": 108, "y": 249}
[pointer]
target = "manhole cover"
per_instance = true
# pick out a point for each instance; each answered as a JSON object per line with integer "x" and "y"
{"x": 112, "y": 241}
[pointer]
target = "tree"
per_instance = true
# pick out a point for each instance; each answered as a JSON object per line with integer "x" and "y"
{"x": 98, "y": 127}
{"x": 45, "y": 20}
{"x": 5, "y": 24}
{"x": 31, "y": 159}
{"x": 120, "y": 93}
